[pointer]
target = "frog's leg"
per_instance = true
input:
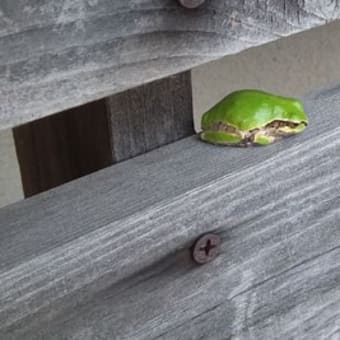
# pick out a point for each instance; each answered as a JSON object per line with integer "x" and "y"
{"x": 287, "y": 130}
{"x": 269, "y": 136}
{"x": 220, "y": 137}
{"x": 262, "y": 138}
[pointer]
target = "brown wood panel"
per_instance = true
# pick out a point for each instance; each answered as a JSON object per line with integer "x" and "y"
{"x": 56, "y": 149}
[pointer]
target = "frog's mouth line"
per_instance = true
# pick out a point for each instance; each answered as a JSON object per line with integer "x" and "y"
{"x": 272, "y": 129}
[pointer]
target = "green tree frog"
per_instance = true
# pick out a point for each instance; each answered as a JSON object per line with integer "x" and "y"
{"x": 252, "y": 117}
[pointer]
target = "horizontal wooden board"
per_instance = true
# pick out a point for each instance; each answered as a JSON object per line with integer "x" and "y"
{"x": 59, "y": 54}
{"x": 108, "y": 256}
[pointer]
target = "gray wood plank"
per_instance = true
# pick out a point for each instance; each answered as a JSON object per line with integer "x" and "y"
{"x": 107, "y": 256}
{"x": 150, "y": 116}
{"x": 57, "y": 55}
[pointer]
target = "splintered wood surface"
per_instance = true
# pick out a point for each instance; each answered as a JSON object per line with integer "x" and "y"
{"x": 108, "y": 256}
{"x": 55, "y": 55}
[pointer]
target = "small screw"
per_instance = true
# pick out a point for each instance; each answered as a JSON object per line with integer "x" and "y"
{"x": 191, "y": 3}
{"x": 206, "y": 248}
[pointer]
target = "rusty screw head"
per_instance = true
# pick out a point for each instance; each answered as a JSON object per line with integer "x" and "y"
{"x": 206, "y": 248}
{"x": 191, "y": 3}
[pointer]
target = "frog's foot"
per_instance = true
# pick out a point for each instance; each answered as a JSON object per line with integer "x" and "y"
{"x": 221, "y": 137}
{"x": 262, "y": 138}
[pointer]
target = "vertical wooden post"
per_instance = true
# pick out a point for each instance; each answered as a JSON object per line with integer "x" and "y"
{"x": 59, "y": 148}
{"x": 150, "y": 116}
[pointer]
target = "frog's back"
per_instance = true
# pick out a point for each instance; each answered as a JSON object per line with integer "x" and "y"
{"x": 247, "y": 109}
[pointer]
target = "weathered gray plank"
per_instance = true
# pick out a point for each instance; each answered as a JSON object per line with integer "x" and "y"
{"x": 57, "y": 55}
{"x": 107, "y": 256}
{"x": 150, "y": 116}
{"x": 56, "y": 149}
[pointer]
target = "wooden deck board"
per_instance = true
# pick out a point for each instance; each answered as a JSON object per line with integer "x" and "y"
{"x": 107, "y": 256}
{"x": 58, "y": 55}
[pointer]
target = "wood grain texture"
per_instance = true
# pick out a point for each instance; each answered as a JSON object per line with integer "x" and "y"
{"x": 57, "y": 55}
{"x": 107, "y": 256}
{"x": 57, "y": 149}
{"x": 150, "y": 116}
